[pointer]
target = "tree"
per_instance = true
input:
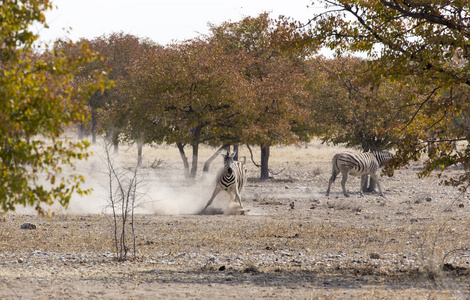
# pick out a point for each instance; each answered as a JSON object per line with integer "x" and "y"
{"x": 351, "y": 108}
{"x": 191, "y": 93}
{"x": 118, "y": 51}
{"x": 37, "y": 99}
{"x": 426, "y": 40}
{"x": 244, "y": 83}
{"x": 271, "y": 55}
{"x": 114, "y": 107}
{"x": 81, "y": 76}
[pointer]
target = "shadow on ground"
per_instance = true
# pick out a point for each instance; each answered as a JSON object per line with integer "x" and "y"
{"x": 309, "y": 279}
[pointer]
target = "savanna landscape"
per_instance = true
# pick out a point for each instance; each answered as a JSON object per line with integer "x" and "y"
{"x": 292, "y": 243}
{"x": 104, "y": 143}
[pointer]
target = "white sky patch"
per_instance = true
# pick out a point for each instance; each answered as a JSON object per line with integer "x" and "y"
{"x": 161, "y": 21}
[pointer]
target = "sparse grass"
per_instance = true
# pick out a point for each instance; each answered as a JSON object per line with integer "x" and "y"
{"x": 253, "y": 245}
{"x": 344, "y": 205}
{"x": 363, "y": 247}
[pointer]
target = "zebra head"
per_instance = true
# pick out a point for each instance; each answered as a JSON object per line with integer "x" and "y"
{"x": 382, "y": 157}
{"x": 229, "y": 161}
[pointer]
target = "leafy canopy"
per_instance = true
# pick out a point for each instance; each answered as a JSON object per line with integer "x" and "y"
{"x": 425, "y": 42}
{"x": 271, "y": 58}
{"x": 38, "y": 97}
{"x": 351, "y": 108}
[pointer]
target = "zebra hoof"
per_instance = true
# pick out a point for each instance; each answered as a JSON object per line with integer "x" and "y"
{"x": 235, "y": 209}
{"x": 244, "y": 211}
{"x": 211, "y": 211}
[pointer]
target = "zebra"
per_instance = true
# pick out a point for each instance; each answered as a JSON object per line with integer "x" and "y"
{"x": 357, "y": 164}
{"x": 231, "y": 178}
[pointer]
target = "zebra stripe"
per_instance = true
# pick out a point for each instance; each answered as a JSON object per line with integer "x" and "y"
{"x": 382, "y": 156}
{"x": 231, "y": 178}
{"x": 228, "y": 178}
{"x": 357, "y": 164}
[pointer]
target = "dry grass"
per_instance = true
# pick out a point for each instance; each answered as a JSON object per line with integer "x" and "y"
{"x": 294, "y": 242}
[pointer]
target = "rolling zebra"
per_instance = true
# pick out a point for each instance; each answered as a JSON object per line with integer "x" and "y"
{"x": 357, "y": 164}
{"x": 231, "y": 178}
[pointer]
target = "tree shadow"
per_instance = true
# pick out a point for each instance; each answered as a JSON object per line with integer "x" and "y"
{"x": 310, "y": 279}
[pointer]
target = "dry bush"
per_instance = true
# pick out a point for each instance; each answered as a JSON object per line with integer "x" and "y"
{"x": 122, "y": 200}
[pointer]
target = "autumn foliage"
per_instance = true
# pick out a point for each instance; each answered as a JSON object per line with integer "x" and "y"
{"x": 421, "y": 47}
{"x": 39, "y": 95}
{"x": 257, "y": 81}
{"x": 238, "y": 85}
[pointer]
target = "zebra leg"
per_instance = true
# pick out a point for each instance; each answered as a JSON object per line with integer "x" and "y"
{"x": 363, "y": 181}
{"x": 237, "y": 196}
{"x": 343, "y": 183}
{"x": 332, "y": 179}
{"x": 374, "y": 176}
{"x": 216, "y": 191}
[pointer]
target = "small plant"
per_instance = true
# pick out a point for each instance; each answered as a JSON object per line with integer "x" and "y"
{"x": 122, "y": 192}
{"x": 251, "y": 268}
{"x": 433, "y": 253}
{"x": 317, "y": 171}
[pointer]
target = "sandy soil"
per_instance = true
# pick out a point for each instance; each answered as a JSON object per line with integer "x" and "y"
{"x": 293, "y": 243}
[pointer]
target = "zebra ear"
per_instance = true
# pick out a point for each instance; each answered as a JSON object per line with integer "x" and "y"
{"x": 227, "y": 153}
{"x": 233, "y": 154}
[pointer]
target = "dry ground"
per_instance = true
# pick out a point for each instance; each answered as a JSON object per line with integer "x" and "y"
{"x": 294, "y": 243}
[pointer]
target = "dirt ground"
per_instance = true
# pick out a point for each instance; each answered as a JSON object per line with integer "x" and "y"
{"x": 293, "y": 243}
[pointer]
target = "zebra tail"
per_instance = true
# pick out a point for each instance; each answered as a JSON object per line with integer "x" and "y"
{"x": 335, "y": 169}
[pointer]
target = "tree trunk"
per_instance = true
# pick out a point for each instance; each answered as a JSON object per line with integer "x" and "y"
{"x": 184, "y": 158}
{"x": 139, "y": 153}
{"x": 116, "y": 146}
{"x": 81, "y": 131}
{"x": 369, "y": 185}
{"x": 208, "y": 162}
{"x": 264, "y": 162}
{"x": 372, "y": 185}
{"x": 195, "y": 144}
{"x": 235, "y": 149}
{"x": 365, "y": 184}
{"x": 93, "y": 126}
{"x": 194, "y": 162}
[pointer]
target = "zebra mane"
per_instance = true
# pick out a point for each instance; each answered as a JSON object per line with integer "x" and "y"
{"x": 228, "y": 154}
{"x": 381, "y": 155}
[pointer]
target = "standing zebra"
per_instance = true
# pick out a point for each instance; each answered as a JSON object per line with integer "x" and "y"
{"x": 231, "y": 178}
{"x": 357, "y": 164}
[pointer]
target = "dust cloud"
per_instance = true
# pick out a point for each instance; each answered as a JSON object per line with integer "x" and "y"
{"x": 161, "y": 190}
